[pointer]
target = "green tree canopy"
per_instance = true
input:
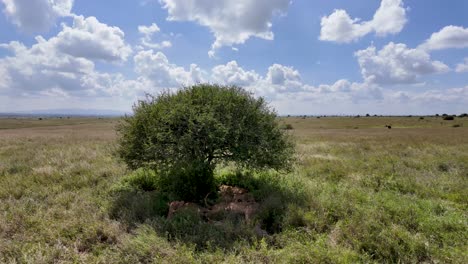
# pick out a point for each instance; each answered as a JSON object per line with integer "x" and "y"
{"x": 202, "y": 125}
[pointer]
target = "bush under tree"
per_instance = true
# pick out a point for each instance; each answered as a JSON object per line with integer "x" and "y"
{"x": 185, "y": 134}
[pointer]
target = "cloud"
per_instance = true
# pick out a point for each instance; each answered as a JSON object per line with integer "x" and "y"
{"x": 36, "y": 15}
{"x": 88, "y": 38}
{"x": 42, "y": 67}
{"x": 161, "y": 45}
{"x": 445, "y": 95}
{"x": 342, "y": 85}
{"x": 284, "y": 82}
{"x": 462, "y": 67}
{"x": 279, "y": 78}
{"x": 231, "y": 22}
{"x": 148, "y": 32}
{"x": 280, "y": 75}
{"x": 390, "y": 18}
{"x": 448, "y": 37}
{"x": 443, "y": 100}
{"x": 157, "y": 69}
{"x": 110, "y": 84}
{"x": 63, "y": 65}
{"x": 43, "y": 72}
{"x": 284, "y": 78}
{"x": 233, "y": 74}
{"x": 396, "y": 64}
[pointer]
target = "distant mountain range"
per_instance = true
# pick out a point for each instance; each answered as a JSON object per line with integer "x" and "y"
{"x": 67, "y": 112}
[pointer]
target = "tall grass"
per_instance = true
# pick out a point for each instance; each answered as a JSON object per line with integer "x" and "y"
{"x": 367, "y": 195}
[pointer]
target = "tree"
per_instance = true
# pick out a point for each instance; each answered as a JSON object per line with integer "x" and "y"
{"x": 187, "y": 133}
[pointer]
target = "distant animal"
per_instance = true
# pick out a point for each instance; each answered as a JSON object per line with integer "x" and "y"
{"x": 388, "y": 126}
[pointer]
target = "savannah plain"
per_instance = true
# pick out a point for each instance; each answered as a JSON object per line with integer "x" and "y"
{"x": 359, "y": 193}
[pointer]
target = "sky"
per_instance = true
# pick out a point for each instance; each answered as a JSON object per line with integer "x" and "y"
{"x": 321, "y": 57}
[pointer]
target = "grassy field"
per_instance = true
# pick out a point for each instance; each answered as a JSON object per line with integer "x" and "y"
{"x": 360, "y": 193}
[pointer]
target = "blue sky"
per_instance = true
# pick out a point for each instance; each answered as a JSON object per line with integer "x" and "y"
{"x": 305, "y": 57}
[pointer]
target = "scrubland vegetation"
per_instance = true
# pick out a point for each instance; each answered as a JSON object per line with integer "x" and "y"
{"x": 359, "y": 193}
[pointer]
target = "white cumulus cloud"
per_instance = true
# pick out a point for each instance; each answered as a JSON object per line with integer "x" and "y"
{"x": 390, "y": 18}
{"x": 63, "y": 65}
{"x": 148, "y": 32}
{"x": 36, "y": 15}
{"x": 284, "y": 78}
{"x": 41, "y": 68}
{"x": 233, "y": 74}
{"x": 448, "y": 37}
{"x": 231, "y": 22}
{"x": 285, "y": 82}
{"x": 342, "y": 85}
{"x": 91, "y": 39}
{"x": 279, "y": 74}
{"x": 157, "y": 68}
{"x": 396, "y": 64}
{"x": 279, "y": 78}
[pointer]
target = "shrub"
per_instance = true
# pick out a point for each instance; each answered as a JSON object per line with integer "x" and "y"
{"x": 449, "y": 118}
{"x": 191, "y": 181}
{"x": 143, "y": 179}
{"x": 288, "y": 127}
{"x": 138, "y": 197}
{"x": 187, "y": 133}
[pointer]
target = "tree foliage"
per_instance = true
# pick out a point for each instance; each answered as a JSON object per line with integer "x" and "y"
{"x": 200, "y": 126}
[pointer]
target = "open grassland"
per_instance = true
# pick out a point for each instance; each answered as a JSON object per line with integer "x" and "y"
{"x": 360, "y": 193}
{"x": 24, "y": 122}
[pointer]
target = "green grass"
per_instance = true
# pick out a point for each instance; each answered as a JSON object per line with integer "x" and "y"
{"x": 21, "y": 122}
{"x": 357, "y": 195}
